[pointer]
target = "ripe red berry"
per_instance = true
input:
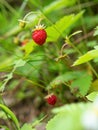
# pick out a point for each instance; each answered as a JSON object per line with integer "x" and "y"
{"x": 39, "y": 36}
{"x": 51, "y": 99}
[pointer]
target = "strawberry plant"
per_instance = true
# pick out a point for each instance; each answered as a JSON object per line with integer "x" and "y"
{"x": 48, "y": 68}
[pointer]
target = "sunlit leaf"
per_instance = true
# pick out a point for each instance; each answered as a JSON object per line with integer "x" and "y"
{"x": 92, "y": 96}
{"x": 86, "y": 57}
{"x": 56, "y": 30}
{"x": 96, "y": 31}
{"x": 67, "y": 116}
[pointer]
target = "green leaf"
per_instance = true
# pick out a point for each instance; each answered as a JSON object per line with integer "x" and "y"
{"x": 56, "y": 30}
{"x": 29, "y": 47}
{"x": 9, "y": 76}
{"x": 96, "y": 31}
{"x": 65, "y": 78}
{"x": 87, "y": 57}
{"x": 4, "y": 127}
{"x": 60, "y": 26}
{"x": 19, "y": 63}
{"x": 82, "y": 84}
{"x": 70, "y": 108}
{"x": 55, "y": 5}
{"x": 27, "y": 127}
{"x": 11, "y": 114}
{"x": 79, "y": 84}
{"x": 67, "y": 118}
{"x": 92, "y": 96}
{"x": 94, "y": 86}
{"x": 96, "y": 47}
{"x": 91, "y": 43}
{"x": 64, "y": 121}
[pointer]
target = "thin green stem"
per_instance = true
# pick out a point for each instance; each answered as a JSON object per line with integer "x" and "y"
{"x": 72, "y": 45}
{"x": 28, "y": 15}
{"x": 93, "y": 70}
{"x": 37, "y": 84}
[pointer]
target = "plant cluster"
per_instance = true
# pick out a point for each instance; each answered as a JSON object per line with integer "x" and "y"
{"x": 49, "y": 51}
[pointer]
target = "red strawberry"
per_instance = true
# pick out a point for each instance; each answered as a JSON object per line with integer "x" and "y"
{"x": 39, "y": 36}
{"x": 51, "y": 99}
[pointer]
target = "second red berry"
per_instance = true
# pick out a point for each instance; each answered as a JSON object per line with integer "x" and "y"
{"x": 51, "y": 99}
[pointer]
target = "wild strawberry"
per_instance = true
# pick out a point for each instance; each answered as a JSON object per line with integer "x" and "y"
{"x": 39, "y": 35}
{"x": 51, "y": 99}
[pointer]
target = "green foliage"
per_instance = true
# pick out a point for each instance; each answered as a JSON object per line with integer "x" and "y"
{"x": 30, "y": 126}
{"x": 67, "y": 117}
{"x": 92, "y": 43}
{"x": 9, "y": 76}
{"x": 92, "y": 96}
{"x": 4, "y": 127}
{"x": 77, "y": 82}
{"x": 96, "y": 31}
{"x": 28, "y": 48}
{"x": 6, "y": 64}
{"x": 56, "y": 5}
{"x": 33, "y": 71}
{"x": 82, "y": 84}
{"x": 65, "y": 78}
{"x": 87, "y": 57}
{"x": 11, "y": 115}
{"x": 64, "y": 23}
{"x": 27, "y": 127}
